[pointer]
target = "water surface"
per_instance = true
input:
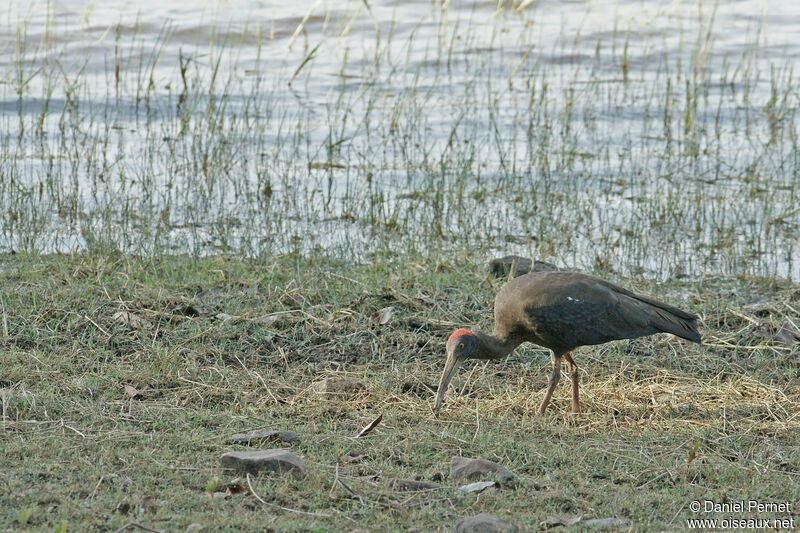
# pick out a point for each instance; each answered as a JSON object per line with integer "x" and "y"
{"x": 649, "y": 138}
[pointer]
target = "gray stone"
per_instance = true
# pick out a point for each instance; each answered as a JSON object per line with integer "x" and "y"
{"x": 595, "y": 523}
{"x": 544, "y": 266}
{"x": 787, "y": 335}
{"x": 466, "y": 469}
{"x": 478, "y": 486}
{"x": 501, "y": 266}
{"x": 601, "y": 523}
{"x": 410, "y": 484}
{"x": 255, "y": 461}
{"x": 555, "y": 521}
{"x": 262, "y": 435}
{"x": 485, "y": 523}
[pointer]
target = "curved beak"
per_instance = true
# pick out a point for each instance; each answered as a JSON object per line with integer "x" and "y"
{"x": 450, "y": 367}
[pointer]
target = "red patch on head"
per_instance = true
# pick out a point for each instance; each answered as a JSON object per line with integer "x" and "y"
{"x": 458, "y": 333}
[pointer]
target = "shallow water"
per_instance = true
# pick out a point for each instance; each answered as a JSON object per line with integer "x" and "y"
{"x": 653, "y": 138}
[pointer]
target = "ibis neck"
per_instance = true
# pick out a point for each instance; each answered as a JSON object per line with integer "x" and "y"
{"x": 491, "y": 347}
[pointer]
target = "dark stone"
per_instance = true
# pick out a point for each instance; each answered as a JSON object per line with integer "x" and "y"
{"x": 485, "y": 523}
{"x": 501, "y": 266}
{"x": 544, "y": 266}
{"x": 252, "y": 462}
{"x": 466, "y": 469}
{"x": 186, "y": 309}
{"x": 787, "y": 335}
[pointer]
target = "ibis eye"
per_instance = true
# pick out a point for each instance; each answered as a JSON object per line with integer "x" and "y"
{"x": 460, "y": 345}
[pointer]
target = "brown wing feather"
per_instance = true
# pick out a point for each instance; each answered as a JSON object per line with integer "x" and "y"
{"x": 564, "y": 310}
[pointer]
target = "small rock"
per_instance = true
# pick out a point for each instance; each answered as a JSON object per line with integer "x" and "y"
{"x": 466, "y": 469}
{"x": 485, "y": 523}
{"x": 544, "y": 266}
{"x": 501, "y": 266}
{"x": 554, "y": 521}
{"x": 382, "y": 317}
{"x": 186, "y": 309}
{"x": 252, "y": 462}
{"x": 345, "y": 387}
{"x": 478, "y": 486}
{"x": 410, "y": 484}
{"x": 132, "y": 320}
{"x": 787, "y": 335}
{"x": 267, "y": 319}
{"x": 600, "y": 523}
{"x": 596, "y": 523}
{"x": 260, "y": 435}
{"x": 351, "y": 458}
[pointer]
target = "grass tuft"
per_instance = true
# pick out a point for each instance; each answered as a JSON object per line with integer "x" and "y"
{"x": 226, "y": 346}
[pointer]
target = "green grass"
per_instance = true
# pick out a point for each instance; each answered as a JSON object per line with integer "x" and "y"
{"x": 79, "y": 450}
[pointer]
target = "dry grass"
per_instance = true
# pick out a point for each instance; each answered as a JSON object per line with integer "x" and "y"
{"x": 228, "y": 346}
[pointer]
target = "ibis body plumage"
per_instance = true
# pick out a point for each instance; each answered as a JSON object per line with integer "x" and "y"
{"x": 562, "y": 311}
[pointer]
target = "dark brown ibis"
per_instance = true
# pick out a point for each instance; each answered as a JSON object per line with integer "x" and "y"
{"x": 562, "y": 311}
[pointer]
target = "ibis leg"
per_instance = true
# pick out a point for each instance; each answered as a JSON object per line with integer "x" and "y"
{"x": 573, "y": 375}
{"x": 553, "y": 382}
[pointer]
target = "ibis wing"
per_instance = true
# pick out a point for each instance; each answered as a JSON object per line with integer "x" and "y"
{"x": 564, "y": 310}
{"x": 586, "y": 314}
{"x": 577, "y": 322}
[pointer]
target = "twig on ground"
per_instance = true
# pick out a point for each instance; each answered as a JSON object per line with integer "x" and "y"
{"x": 97, "y": 486}
{"x": 107, "y": 334}
{"x": 253, "y": 491}
{"x": 287, "y": 509}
